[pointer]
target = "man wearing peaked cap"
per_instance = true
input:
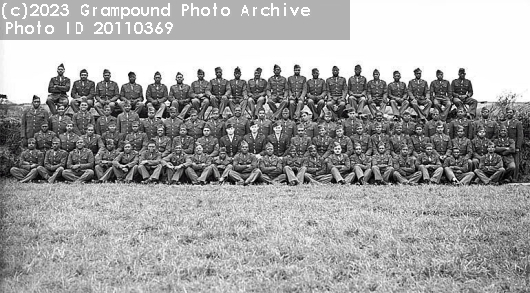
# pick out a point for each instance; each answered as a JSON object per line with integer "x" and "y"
{"x": 107, "y": 93}
{"x": 200, "y": 93}
{"x": 337, "y": 91}
{"x": 58, "y": 88}
{"x": 419, "y": 95}
{"x": 442, "y": 94}
{"x": 257, "y": 92}
{"x": 157, "y": 95}
{"x": 133, "y": 93}
{"x": 83, "y": 90}
{"x": 463, "y": 93}
{"x": 238, "y": 92}
{"x": 277, "y": 92}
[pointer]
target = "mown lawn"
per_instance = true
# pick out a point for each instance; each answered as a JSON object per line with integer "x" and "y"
{"x": 137, "y": 238}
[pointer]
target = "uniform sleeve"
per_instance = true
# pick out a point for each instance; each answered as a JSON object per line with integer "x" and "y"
{"x": 148, "y": 95}
{"x": 470, "y": 90}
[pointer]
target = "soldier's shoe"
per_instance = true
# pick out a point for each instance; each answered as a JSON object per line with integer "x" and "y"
{"x": 342, "y": 182}
{"x": 215, "y": 183}
{"x": 147, "y": 181}
{"x": 506, "y": 181}
{"x": 240, "y": 183}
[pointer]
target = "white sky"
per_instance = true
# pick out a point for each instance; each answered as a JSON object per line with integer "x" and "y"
{"x": 487, "y": 37}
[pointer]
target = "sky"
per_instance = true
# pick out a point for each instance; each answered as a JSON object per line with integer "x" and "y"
{"x": 488, "y": 38}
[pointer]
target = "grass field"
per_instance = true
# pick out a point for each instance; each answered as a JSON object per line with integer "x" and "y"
{"x": 137, "y": 238}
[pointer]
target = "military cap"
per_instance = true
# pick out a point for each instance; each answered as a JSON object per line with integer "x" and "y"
{"x": 259, "y": 70}
{"x": 300, "y": 126}
{"x": 417, "y": 70}
{"x": 439, "y": 123}
{"x": 206, "y": 126}
{"x": 252, "y": 123}
{"x": 404, "y": 146}
{"x": 229, "y": 125}
{"x": 126, "y": 102}
{"x": 336, "y": 144}
{"x": 357, "y": 66}
{"x": 237, "y": 107}
{"x": 349, "y": 108}
{"x": 198, "y": 144}
{"x": 314, "y": 70}
{"x": 357, "y": 145}
{"x": 439, "y": 72}
{"x": 200, "y": 71}
{"x": 305, "y": 112}
{"x": 56, "y": 139}
{"x": 327, "y": 113}
{"x": 35, "y": 97}
{"x": 429, "y": 145}
{"x": 456, "y": 148}
{"x": 435, "y": 111}
{"x": 376, "y": 71}
{"x": 459, "y": 127}
{"x": 126, "y": 142}
{"x": 222, "y": 150}
{"x": 378, "y": 124}
{"x": 378, "y": 113}
{"x": 215, "y": 110}
{"x": 151, "y": 141}
{"x": 311, "y": 147}
{"x": 178, "y": 146}
{"x": 321, "y": 126}
{"x": 182, "y": 126}
{"x": 396, "y": 72}
{"x": 491, "y": 143}
{"x": 111, "y": 122}
{"x": 218, "y": 69}
{"x": 461, "y": 70}
{"x": 83, "y": 71}
{"x": 269, "y": 145}
{"x": 237, "y": 70}
{"x": 157, "y": 73}
{"x": 285, "y": 110}
{"x": 276, "y": 124}
{"x": 484, "y": 109}
{"x": 90, "y": 126}
{"x": 172, "y": 109}
{"x": 80, "y": 138}
{"x": 481, "y": 128}
{"x": 61, "y": 66}
{"x": 193, "y": 111}
{"x": 297, "y": 66}
{"x": 135, "y": 122}
{"x": 244, "y": 143}
{"x": 33, "y": 140}
{"x": 406, "y": 113}
{"x": 44, "y": 123}
{"x": 106, "y": 71}
{"x": 276, "y": 66}
{"x": 131, "y": 74}
{"x": 178, "y": 73}
{"x": 335, "y": 68}
{"x": 109, "y": 141}
{"x": 160, "y": 127}
{"x": 502, "y": 127}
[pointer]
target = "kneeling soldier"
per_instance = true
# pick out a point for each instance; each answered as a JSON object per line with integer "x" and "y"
{"x": 125, "y": 163}
{"x": 490, "y": 168}
{"x": 104, "y": 159}
{"x": 30, "y": 161}
{"x": 54, "y": 161}
{"x": 80, "y": 164}
{"x": 457, "y": 170}
{"x": 150, "y": 166}
{"x": 430, "y": 166}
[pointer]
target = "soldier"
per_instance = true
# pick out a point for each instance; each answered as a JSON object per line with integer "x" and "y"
{"x": 442, "y": 94}
{"x": 210, "y": 144}
{"x": 82, "y": 119}
{"x": 136, "y": 138}
{"x": 398, "y": 95}
{"x": 156, "y": 95}
{"x": 58, "y": 88}
{"x": 380, "y": 138}
{"x": 69, "y": 138}
{"x": 257, "y": 93}
{"x": 126, "y": 119}
{"x": 490, "y": 170}
{"x": 79, "y": 164}
{"x": 322, "y": 141}
{"x": 363, "y": 139}
{"x": 132, "y": 93}
{"x": 419, "y": 95}
{"x": 83, "y": 90}
{"x": 179, "y": 96}
{"x": 329, "y": 124}
{"x": 277, "y": 92}
{"x": 490, "y": 125}
{"x": 311, "y": 128}
{"x": 344, "y": 141}
{"x": 315, "y": 168}
{"x": 270, "y": 165}
{"x": 350, "y": 124}
{"x": 256, "y": 141}
{"x": 464, "y": 144}
{"x": 173, "y": 123}
{"x": 107, "y": 93}
{"x": 462, "y": 93}
{"x": 338, "y": 163}
{"x": 54, "y": 162}
{"x": 405, "y": 168}
{"x": 220, "y": 90}
{"x": 163, "y": 143}
{"x": 238, "y": 92}
{"x": 92, "y": 141}
{"x": 291, "y": 167}
{"x": 200, "y": 163}
{"x": 187, "y": 142}
{"x": 288, "y": 125}
{"x": 230, "y": 141}
{"x": 150, "y": 164}
{"x": 125, "y": 165}
{"x": 382, "y": 163}
{"x": 457, "y": 169}
{"x": 246, "y": 170}
{"x": 151, "y": 124}
{"x": 112, "y": 133}
{"x": 441, "y": 142}
{"x": 222, "y": 163}
{"x": 361, "y": 166}
{"x": 431, "y": 125}
{"x": 419, "y": 141}
{"x": 398, "y": 139}
{"x": 316, "y": 94}
{"x": 200, "y": 94}
{"x": 32, "y": 119}
{"x": 104, "y": 159}
{"x": 515, "y": 132}
{"x": 265, "y": 125}
{"x": 239, "y": 122}
{"x": 59, "y": 121}
{"x": 280, "y": 141}
{"x": 430, "y": 166}
{"x": 297, "y": 89}
{"x": 216, "y": 125}
{"x": 301, "y": 142}
{"x": 480, "y": 147}
{"x": 337, "y": 90}
{"x": 409, "y": 127}
{"x": 377, "y": 96}
{"x": 30, "y": 160}
{"x": 378, "y": 119}
{"x": 357, "y": 90}
{"x": 505, "y": 147}
{"x": 462, "y": 121}
{"x": 174, "y": 165}
{"x": 102, "y": 124}
{"x": 44, "y": 137}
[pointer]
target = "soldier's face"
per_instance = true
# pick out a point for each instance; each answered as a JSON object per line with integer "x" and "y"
{"x": 237, "y": 112}
{"x": 278, "y": 129}
{"x": 460, "y": 113}
{"x": 440, "y": 129}
{"x": 110, "y": 146}
{"x": 428, "y": 150}
{"x": 193, "y": 116}
{"x": 112, "y": 127}
{"x": 440, "y": 76}
{"x": 218, "y": 73}
{"x": 357, "y": 71}
{"x": 485, "y": 114}
{"x": 60, "y": 71}
{"x": 237, "y": 75}
{"x": 44, "y": 127}
{"x": 55, "y": 145}
{"x": 84, "y": 76}
{"x": 456, "y": 153}
{"x": 36, "y": 103}
{"x": 83, "y": 106}
{"x": 503, "y": 132}
{"x": 301, "y": 132}
{"x": 69, "y": 127}
{"x": 359, "y": 130}
{"x": 261, "y": 114}
{"x": 230, "y": 130}
{"x": 206, "y": 131}
{"x": 254, "y": 128}
{"x": 417, "y": 75}
{"x": 257, "y": 75}
{"x": 378, "y": 117}
{"x": 481, "y": 133}
{"x": 460, "y": 132}
{"x": 376, "y": 75}
{"x": 419, "y": 130}
{"x": 285, "y": 114}
{"x": 351, "y": 114}
{"x": 322, "y": 131}
{"x": 179, "y": 79}
{"x": 305, "y": 117}
{"x": 158, "y": 78}
{"x": 491, "y": 148}
{"x": 270, "y": 151}
{"x": 160, "y": 132}
{"x": 313, "y": 152}
{"x": 404, "y": 151}
{"x": 435, "y": 115}
{"x": 327, "y": 117}
{"x": 183, "y": 131}
{"x": 222, "y": 156}
{"x": 198, "y": 149}
{"x": 106, "y": 76}
{"x": 277, "y": 71}
{"x": 509, "y": 114}
{"x": 172, "y": 113}
{"x": 378, "y": 129}
{"x": 398, "y": 129}
{"x": 244, "y": 148}
{"x": 215, "y": 114}
{"x": 358, "y": 150}
{"x": 178, "y": 149}
{"x": 337, "y": 150}
{"x": 335, "y": 72}
{"x": 151, "y": 113}
{"x": 127, "y": 148}
{"x": 90, "y": 131}
{"x": 60, "y": 110}
{"x": 339, "y": 132}
{"x": 297, "y": 71}
{"x": 31, "y": 144}
{"x": 381, "y": 149}
{"x": 135, "y": 128}
{"x": 80, "y": 144}
{"x": 106, "y": 111}
{"x": 462, "y": 75}
{"x": 315, "y": 74}
{"x": 132, "y": 78}
{"x": 151, "y": 147}
{"x": 397, "y": 77}
{"x": 200, "y": 76}
{"x": 406, "y": 117}
{"x": 292, "y": 152}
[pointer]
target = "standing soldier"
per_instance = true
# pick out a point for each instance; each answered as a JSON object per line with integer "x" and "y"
{"x": 357, "y": 90}
{"x": 107, "y": 93}
{"x": 246, "y": 170}
{"x": 378, "y": 119}
{"x": 44, "y": 137}
{"x": 277, "y": 92}
{"x": 490, "y": 170}
{"x": 80, "y": 164}
{"x": 199, "y": 167}
{"x": 133, "y": 93}
{"x": 194, "y": 125}
{"x": 125, "y": 165}
{"x": 136, "y": 138}
{"x": 187, "y": 142}
{"x": 405, "y": 168}
{"x": 126, "y": 119}
{"x": 150, "y": 164}
{"x": 419, "y": 141}
{"x": 297, "y": 86}
{"x": 69, "y": 138}
{"x": 338, "y": 164}
{"x": 409, "y": 126}
{"x": 419, "y": 95}
{"x": 490, "y": 125}
{"x": 430, "y": 166}
{"x": 382, "y": 165}
{"x": 222, "y": 163}
{"x": 505, "y": 147}
{"x": 54, "y": 162}
{"x": 238, "y": 93}
{"x": 58, "y": 88}
{"x": 257, "y": 93}
{"x": 288, "y": 125}
{"x": 398, "y": 95}
{"x": 30, "y": 160}
{"x": 200, "y": 94}
{"x": 316, "y": 94}
{"x": 361, "y": 166}
{"x": 515, "y": 132}
{"x": 350, "y": 124}
{"x": 301, "y": 142}
{"x": 82, "y": 119}
{"x": 230, "y": 141}
{"x": 32, "y": 120}
{"x": 457, "y": 169}
{"x": 337, "y": 90}
{"x": 83, "y": 90}
{"x": 174, "y": 165}
{"x": 92, "y": 141}
{"x": 220, "y": 90}
{"x": 329, "y": 124}
{"x": 156, "y": 95}
{"x": 151, "y": 124}
{"x": 172, "y": 124}
{"x": 59, "y": 120}
{"x": 442, "y": 94}
{"x": 376, "y": 90}
{"x": 209, "y": 143}
{"x": 179, "y": 96}
{"x": 104, "y": 158}
{"x": 462, "y": 93}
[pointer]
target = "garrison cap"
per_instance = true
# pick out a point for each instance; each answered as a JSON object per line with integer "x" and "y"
{"x": 172, "y": 109}
{"x": 439, "y": 72}
{"x": 131, "y": 74}
{"x": 227, "y": 111}
{"x": 160, "y": 127}
{"x": 182, "y": 126}
{"x": 193, "y": 111}
{"x": 269, "y": 145}
{"x": 335, "y": 68}
{"x": 244, "y": 143}
{"x": 218, "y": 69}
{"x": 311, "y": 147}
{"x": 157, "y": 73}
{"x": 135, "y": 122}
{"x": 237, "y": 70}
{"x": 481, "y": 128}
{"x": 56, "y": 139}
{"x": 429, "y": 145}
{"x": 459, "y": 127}
{"x": 357, "y": 66}
{"x": 215, "y": 110}
{"x": 297, "y": 66}
{"x": 276, "y": 66}
{"x": 206, "y": 126}
{"x": 35, "y": 97}
{"x": 396, "y": 72}
{"x": 83, "y": 71}
{"x": 417, "y": 70}
{"x": 461, "y": 70}
{"x": 376, "y": 71}
{"x": 484, "y": 109}
{"x": 200, "y": 71}
{"x": 349, "y": 108}
{"x": 109, "y": 141}
{"x": 60, "y": 66}
{"x": 300, "y": 126}
{"x": 314, "y": 70}
{"x": 229, "y": 125}
{"x": 502, "y": 127}
{"x": 285, "y": 110}
{"x": 258, "y": 70}
{"x": 252, "y": 123}
{"x": 178, "y": 73}
{"x": 106, "y": 71}
{"x": 44, "y": 123}
{"x": 33, "y": 140}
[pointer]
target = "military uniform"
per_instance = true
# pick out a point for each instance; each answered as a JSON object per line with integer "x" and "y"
{"x": 172, "y": 126}
{"x": 430, "y": 167}
{"x": 288, "y": 127}
{"x": 458, "y": 169}
{"x": 339, "y": 166}
{"x": 217, "y": 127}
{"x": 330, "y": 127}
{"x": 58, "y": 88}
{"x": 442, "y": 144}
{"x": 187, "y": 142}
{"x": 156, "y": 96}
{"x": 107, "y": 92}
{"x": 104, "y": 171}
{"x": 316, "y": 95}
{"x": 322, "y": 143}
{"x": 385, "y": 127}
{"x": 125, "y": 120}
{"x": 301, "y": 143}
{"x": 419, "y": 95}
{"x": 163, "y": 145}
{"x": 397, "y": 141}
{"x": 418, "y": 144}
{"x": 376, "y": 95}
{"x": 398, "y": 96}
{"x": 210, "y": 145}
{"x": 68, "y": 141}
{"x": 117, "y": 137}
{"x": 85, "y": 159}
{"x": 409, "y": 128}
{"x": 337, "y": 89}
{"x": 429, "y": 129}
{"x": 58, "y": 123}
{"x": 382, "y": 167}
{"x": 242, "y": 173}
{"x": 281, "y": 144}
{"x": 179, "y": 97}
{"x": 241, "y": 125}
{"x": 292, "y": 170}
{"x": 362, "y": 168}
{"x": 138, "y": 140}
{"x": 222, "y": 164}
{"x": 258, "y": 89}
{"x": 297, "y": 86}
{"x": 515, "y": 132}
{"x": 480, "y": 148}
{"x": 150, "y": 127}
{"x": 256, "y": 145}
{"x": 357, "y": 85}
{"x": 311, "y": 128}
{"x": 152, "y": 168}
{"x": 277, "y": 90}
{"x": 81, "y": 121}
{"x": 442, "y": 95}
{"x": 219, "y": 88}
{"x": 175, "y": 175}
{"x": 378, "y": 139}
{"x": 128, "y": 160}
{"x": 464, "y": 145}
{"x": 44, "y": 140}
{"x": 265, "y": 126}
{"x": 350, "y": 126}
{"x": 460, "y": 88}
{"x": 490, "y": 126}
{"x": 505, "y": 147}
{"x": 94, "y": 143}
{"x": 490, "y": 169}
{"x": 32, "y": 120}
{"x": 315, "y": 170}
{"x": 365, "y": 141}
{"x": 464, "y": 122}
{"x": 133, "y": 93}
{"x": 81, "y": 89}
{"x": 200, "y": 104}
{"x": 54, "y": 164}
{"x": 405, "y": 170}
{"x": 199, "y": 164}
{"x": 238, "y": 91}
{"x": 26, "y": 173}
{"x": 271, "y": 168}
{"x": 102, "y": 124}
{"x": 232, "y": 146}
